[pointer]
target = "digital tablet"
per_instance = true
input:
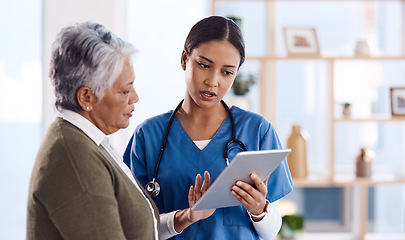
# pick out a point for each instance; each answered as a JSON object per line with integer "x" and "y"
{"x": 262, "y": 163}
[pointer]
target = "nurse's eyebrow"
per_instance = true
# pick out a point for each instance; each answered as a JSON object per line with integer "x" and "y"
{"x": 210, "y": 61}
{"x": 206, "y": 59}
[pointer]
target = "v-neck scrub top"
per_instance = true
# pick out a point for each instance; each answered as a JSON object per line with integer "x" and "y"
{"x": 183, "y": 160}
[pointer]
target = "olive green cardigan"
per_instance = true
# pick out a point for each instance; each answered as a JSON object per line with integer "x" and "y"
{"x": 78, "y": 191}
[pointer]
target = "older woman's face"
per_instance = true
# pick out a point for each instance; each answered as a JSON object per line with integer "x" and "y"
{"x": 114, "y": 110}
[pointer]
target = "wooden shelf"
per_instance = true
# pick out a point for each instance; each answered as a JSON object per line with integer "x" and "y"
{"x": 371, "y": 119}
{"x": 323, "y": 58}
{"x": 312, "y": 182}
{"x": 343, "y": 181}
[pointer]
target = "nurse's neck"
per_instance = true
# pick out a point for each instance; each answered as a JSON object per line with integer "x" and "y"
{"x": 201, "y": 123}
{"x": 194, "y": 112}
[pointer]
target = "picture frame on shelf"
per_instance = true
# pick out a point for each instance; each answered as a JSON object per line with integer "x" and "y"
{"x": 301, "y": 41}
{"x": 397, "y": 101}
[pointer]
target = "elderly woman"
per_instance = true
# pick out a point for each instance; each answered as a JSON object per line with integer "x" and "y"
{"x": 80, "y": 187}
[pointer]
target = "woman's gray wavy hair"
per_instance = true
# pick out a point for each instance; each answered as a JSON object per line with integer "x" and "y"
{"x": 85, "y": 54}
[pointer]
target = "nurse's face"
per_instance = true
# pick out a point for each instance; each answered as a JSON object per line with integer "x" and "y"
{"x": 210, "y": 71}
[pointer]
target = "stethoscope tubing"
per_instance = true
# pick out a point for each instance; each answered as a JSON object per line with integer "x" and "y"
{"x": 153, "y": 188}
{"x": 162, "y": 148}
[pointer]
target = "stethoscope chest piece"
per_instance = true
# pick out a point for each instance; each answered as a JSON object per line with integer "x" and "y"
{"x": 153, "y": 188}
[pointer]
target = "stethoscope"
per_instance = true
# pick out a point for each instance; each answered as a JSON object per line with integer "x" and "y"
{"x": 153, "y": 187}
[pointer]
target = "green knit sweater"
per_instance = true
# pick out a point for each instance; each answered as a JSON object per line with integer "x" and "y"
{"x": 77, "y": 191}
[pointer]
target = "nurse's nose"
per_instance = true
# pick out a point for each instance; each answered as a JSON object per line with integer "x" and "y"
{"x": 212, "y": 79}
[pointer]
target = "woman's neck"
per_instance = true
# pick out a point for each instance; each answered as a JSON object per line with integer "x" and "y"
{"x": 201, "y": 123}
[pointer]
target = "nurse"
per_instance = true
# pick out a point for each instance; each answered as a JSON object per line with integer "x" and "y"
{"x": 196, "y": 140}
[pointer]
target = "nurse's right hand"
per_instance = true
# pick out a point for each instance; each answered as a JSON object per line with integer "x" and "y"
{"x": 186, "y": 217}
{"x": 195, "y": 193}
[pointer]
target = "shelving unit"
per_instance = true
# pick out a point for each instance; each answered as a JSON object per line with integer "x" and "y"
{"x": 331, "y": 180}
{"x": 268, "y": 80}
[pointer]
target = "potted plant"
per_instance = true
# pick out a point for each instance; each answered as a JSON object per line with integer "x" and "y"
{"x": 346, "y": 109}
{"x": 291, "y": 226}
{"x": 241, "y": 85}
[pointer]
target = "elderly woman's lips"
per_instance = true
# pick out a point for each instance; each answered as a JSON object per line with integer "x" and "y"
{"x": 129, "y": 114}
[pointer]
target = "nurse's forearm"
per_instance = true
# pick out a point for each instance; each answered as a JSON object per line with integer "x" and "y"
{"x": 182, "y": 220}
{"x": 186, "y": 217}
{"x": 167, "y": 225}
{"x": 269, "y": 226}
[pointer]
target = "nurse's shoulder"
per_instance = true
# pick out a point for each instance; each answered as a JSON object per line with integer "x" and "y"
{"x": 249, "y": 118}
{"x": 155, "y": 124}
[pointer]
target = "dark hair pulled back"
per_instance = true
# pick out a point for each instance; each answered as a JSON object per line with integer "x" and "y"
{"x": 215, "y": 28}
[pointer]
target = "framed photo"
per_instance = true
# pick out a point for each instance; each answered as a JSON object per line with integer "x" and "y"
{"x": 301, "y": 41}
{"x": 398, "y": 101}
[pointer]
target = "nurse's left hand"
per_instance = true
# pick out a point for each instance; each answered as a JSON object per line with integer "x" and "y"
{"x": 252, "y": 198}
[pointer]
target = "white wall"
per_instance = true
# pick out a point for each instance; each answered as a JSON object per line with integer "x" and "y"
{"x": 61, "y": 13}
{"x": 158, "y": 29}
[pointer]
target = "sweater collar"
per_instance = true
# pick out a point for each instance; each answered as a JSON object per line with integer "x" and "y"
{"x": 93, "y": 132}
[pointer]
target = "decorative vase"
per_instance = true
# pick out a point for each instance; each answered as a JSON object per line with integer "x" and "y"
{"x": 363, "y": 164}
{"x": 362, "y": 49}
{"x": 297, "y": 159}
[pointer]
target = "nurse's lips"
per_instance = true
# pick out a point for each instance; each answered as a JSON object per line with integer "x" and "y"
{"x": 208, "y": 94}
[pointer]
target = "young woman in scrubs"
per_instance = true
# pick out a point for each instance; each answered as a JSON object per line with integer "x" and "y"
{"x": 213, "y": 53}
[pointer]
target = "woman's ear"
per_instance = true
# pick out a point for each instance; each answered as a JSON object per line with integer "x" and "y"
{"x": 86, "y": 98}
{"x": 183, "y": 59}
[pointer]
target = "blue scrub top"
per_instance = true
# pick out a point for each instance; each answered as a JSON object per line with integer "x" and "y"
{"x": 183, "y": 160}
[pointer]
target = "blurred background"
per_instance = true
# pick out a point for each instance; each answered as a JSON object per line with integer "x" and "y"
{"x": 340, "y": 96}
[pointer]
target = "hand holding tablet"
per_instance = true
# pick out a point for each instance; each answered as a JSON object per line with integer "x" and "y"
{"x": 262, "y": 163}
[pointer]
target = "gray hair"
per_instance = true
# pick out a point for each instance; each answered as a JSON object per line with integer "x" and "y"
{"x": 85, "y": 54}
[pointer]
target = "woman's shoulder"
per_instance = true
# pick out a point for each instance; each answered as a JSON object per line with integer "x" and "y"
{"x": 63, "y": 134}
{"x": 158, "y": 121}
{"x": 242, "y": 115}
{"x": 66, "y": 150}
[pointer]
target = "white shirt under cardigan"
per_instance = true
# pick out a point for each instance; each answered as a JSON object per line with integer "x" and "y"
{"x": 267, "y": 228}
